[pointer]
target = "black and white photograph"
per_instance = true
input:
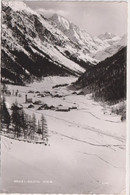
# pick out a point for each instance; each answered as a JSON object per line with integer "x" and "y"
{"x": 63, "y": 97}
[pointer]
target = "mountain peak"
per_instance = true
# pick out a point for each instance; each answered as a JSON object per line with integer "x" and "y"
{"x": 55, "y": 15}
{"x": 45, "y": 13}
{"x": 123, "y": 41}
{"x": 60, "y": 20}
{"x": 106, "y": 35}
{"x": 18, "y": 6}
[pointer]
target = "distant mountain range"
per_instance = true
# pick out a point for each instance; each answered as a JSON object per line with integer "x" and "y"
{"x": 116, "y": 43}
{"x": 34, "y": 45}
{"x": 107, "y": 80}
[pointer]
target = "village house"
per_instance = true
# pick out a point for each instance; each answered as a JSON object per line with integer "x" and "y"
{"x": 28, "y": 100}
{"x": 63, "y": 109}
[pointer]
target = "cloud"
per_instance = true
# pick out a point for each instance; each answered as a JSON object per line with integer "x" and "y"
{"x": 49, "y": 12}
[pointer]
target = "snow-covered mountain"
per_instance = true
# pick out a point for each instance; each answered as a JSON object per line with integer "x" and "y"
{"x": 30, "y": 45}
{"x": 34, "y": 45}
{"x": 116, "y": 43}
{"x": 89, "y": 48}
{"x": 107, "y": 36}
{"x": 82, "y": 38}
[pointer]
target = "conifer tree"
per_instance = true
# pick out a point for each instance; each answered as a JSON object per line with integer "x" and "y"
{"x": 16, "y": 119}
{"x": 29, "y": 125}
{"x": 34, "y": 123}
{"x": 39, "y": 128}
{"x": 24, "y": 122}
{"x": 5, "y": 116}
{"x": 44, "y": 127}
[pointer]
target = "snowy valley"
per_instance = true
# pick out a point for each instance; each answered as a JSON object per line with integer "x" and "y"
{"x": 79, "y": 140}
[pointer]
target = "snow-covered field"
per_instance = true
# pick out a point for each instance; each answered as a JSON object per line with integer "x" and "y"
{"x": 86, "y": 150}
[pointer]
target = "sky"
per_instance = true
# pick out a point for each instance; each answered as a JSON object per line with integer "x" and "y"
{"x": 95, "y": 17}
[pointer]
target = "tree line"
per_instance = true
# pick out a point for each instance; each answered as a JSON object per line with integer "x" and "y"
{"x": 22, "y": 124}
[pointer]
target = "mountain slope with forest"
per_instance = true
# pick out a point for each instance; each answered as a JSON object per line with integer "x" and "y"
{"x": 106, "y": 81}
